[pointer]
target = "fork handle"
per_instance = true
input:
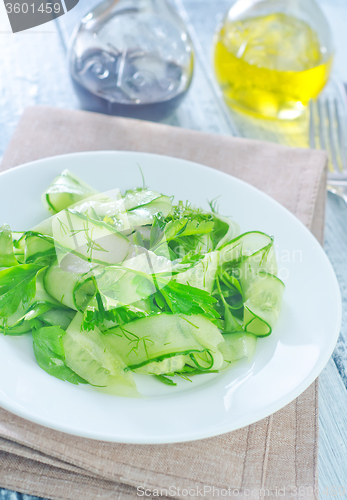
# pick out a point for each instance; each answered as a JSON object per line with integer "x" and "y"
{"x": 338, "y": 188}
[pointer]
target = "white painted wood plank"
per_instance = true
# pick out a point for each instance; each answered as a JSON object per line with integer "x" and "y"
{"x": 336, "y": 249}
{"x": 332, "y": 432}
{"x": 33, "y": 71}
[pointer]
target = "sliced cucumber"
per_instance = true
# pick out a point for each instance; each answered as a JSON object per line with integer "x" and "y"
{"x": 65, "y": 190}
{"x": 238, "y": 345}
{"x": 137, "y": 216}
{"x": 88, "y": 354}
{"x": 21, "y": 328}
{"x": 92, "y": 240}
{"x": 138, "y": 206}
{"x": 203, "y": 274}
{"x": 162, "y": 336}
{"x": 231, "y": 230}
{"x": 168, "y": 365}
{"x": 7, "y": 258}
{"x": 65, "y": 281}
{"x": 120, "y": 286}
{"x": 16, "y": 324}
{"x": 140, "y": 197}
{"x": 18, "y": 246}
{"x": 263, "y": 304}
{"x": 45, "y": 227}
{"x": 264, "y": 260}
{"x": 58, "y": 317}
{"x": 38, "y": 246}
{"x": 17, "y": 235}
{"x": 243, "y": 246}
{"x": 144, "y": 213}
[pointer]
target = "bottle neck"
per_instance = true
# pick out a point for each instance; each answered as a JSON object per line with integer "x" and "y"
{"x": 108, "y": 8}
{"x": 135, "y": 4}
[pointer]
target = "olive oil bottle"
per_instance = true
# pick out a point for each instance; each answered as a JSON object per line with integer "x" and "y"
{"x": 270, "y": 65}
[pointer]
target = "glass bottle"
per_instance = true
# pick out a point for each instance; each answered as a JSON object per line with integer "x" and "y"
{"x": 272, "y": 56}
{"x": 131, "y": 58}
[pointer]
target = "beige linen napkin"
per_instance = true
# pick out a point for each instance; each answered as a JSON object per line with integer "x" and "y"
{"x": 274, "y": 458}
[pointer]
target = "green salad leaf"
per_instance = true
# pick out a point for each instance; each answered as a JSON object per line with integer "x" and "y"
{"x": 17, "y": 287}
{"x": 185, "y": 299}
{"x": 49, "y": 353}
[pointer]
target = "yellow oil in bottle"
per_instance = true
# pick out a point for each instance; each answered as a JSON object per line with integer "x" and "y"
{"x": 270, "y": 66}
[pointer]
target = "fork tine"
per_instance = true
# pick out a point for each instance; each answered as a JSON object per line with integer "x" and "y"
{"x": 322, "y": 128}
{"x": 332, "y": 131}
{"x": 340, "y": 138}
{"x": 312, "y": 126}
{"x": 321, "y": 124}
{"x": 315, "y": 126}
{"x": 324, "y": 131}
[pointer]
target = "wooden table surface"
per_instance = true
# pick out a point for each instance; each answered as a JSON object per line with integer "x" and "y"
{"x": 33, "y": 71}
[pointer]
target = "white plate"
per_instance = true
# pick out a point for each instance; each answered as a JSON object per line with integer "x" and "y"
{"x": 284, "y": 365}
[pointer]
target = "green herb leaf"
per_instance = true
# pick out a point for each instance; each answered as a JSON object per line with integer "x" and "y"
{"x": 185, "y": 227}
{"x": 165, "y": 380}
{"x": 17, "y": 286}
{"x": 49, "y": 353}
{"x": 194, "y": 371}
{"x": 214, "y": 205}
{"x": 157, "y": 230}
{"x": 186, "y": 299}
{"x": 121, "y": 315}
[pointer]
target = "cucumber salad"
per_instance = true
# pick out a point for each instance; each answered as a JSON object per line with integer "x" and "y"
{"x": 113, "y": 284}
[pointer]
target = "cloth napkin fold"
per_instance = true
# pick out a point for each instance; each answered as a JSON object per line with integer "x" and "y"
{"x": 273, "y": 458}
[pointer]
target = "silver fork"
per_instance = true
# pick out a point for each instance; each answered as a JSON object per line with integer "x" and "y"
{"x": 328, "y": 122}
